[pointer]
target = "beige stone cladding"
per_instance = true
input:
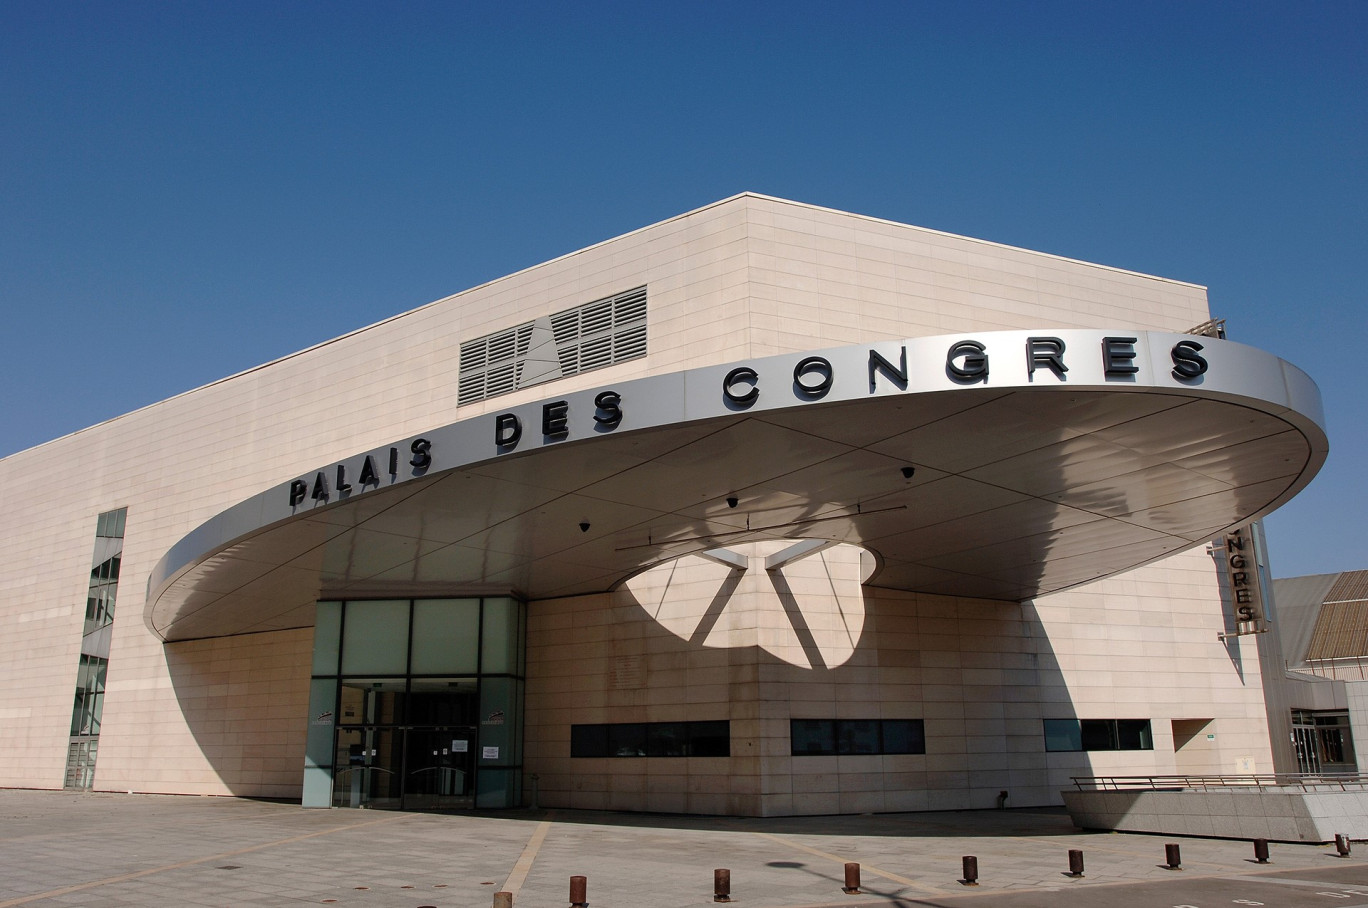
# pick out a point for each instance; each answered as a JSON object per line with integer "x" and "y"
{"x": 982, "y": 675}
{"x": 745, "y": 277}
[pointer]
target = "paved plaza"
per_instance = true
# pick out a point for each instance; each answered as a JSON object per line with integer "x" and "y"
{"x": 98, "y": 849}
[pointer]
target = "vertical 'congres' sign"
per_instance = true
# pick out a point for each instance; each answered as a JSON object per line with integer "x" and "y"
{"x": 1242, "y": 581}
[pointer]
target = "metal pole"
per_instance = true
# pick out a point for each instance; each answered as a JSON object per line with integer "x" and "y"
{"x": 852, "y": 879}
{"x": 1075, "y": 862}
{"x": 1261, "y": 850}
{"x": 1173, "y": 856}
{"x": 970, "y": 870}
{"x": 579, "y": 887}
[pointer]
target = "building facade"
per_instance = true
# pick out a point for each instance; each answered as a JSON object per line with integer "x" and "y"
{"x": 765, "y": 509}
{"x": 1323, "y": 634}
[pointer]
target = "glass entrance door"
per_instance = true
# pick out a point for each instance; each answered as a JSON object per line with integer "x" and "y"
{"x": 369, "y": 767}
{"x": 441, "y": 768}
{"x": 405, "y": 768}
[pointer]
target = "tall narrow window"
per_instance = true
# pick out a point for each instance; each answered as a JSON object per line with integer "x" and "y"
{"x": 90, "y": 671}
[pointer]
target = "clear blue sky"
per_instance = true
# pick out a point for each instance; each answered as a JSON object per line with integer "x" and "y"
{"x": 188, "y": 189}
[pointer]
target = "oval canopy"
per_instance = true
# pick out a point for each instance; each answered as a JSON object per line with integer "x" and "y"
{"x": 997, "y": 465}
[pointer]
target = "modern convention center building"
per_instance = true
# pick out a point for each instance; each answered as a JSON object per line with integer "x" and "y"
{"x": 765, "y": 509}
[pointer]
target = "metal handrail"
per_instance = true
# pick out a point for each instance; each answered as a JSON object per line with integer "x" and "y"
{"x": 1334, "y": 781}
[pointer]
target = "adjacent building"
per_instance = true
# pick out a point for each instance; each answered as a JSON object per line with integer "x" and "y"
{"x": 1323, "y": 632}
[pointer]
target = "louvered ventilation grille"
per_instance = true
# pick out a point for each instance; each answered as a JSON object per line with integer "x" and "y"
{"x": 598, "y": 334}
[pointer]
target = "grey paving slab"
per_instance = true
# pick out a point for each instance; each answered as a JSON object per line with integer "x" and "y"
{"x": 110, "y": 850}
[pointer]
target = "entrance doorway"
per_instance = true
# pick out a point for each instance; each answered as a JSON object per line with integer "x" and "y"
{"x": 406, "y": 743}
{"x": 1324, "y": 741}
{"x": 441, "y": 768}
{"x": 416, "y": 704}
{"x": 405, "y": 768}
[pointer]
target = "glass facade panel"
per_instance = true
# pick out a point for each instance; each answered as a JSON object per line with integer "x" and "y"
{"x": 813, "y": 737}
{"x": 1133, "y": 734}
{"x": 589, "y": 740}
{"x": 318, "y": 747}
{"x": 88, "y": 703}
{"x": 667, "y": 739}
{"x": 90, "y": 685}
{"x": 1098, "y": 734}
{"x": 499, "y": 713}
{"x": 710, "y": 739}
{"x": 858, "y": 736}
{"x": 904, "y": 736}
{"x": 446, "y": 636}
{"x": 627, "y": 739}
{"x": 652, "y": 739}
{"x": 853, "y": 737}
{"x": 80, "y": 771}
{"x": 443, "y": 701}
{"x": 502, "y": 630}
{"x": 1063, "y": 735}
{"x": 371, "y": 701}
{"x": 375, "y": 638}
{"x": 498, "y": 788}
{"x": 327, "y": 638}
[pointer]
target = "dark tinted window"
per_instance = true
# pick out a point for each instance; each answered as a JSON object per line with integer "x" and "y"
{"x": 589, "y": 740}
{"x": 858, "y": 736}
{"x": 710, "y": 739}
{"x": 652, "y": 739}
{"x": 829, "y": 737}
{"x": 903, "y": 736}
{"x": 812, "y": 737}
{"x": 627, "y": 740}
{"x": 1098, "y": 734}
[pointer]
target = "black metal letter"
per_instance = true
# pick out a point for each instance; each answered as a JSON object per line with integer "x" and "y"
{"x": 320, "y": 489}
{"x": 817, "y": 364}
{"x": 507, "y": 430}
{"x": 1047, "y": 352}
{"x": 342, "y": 484}
{"x": 741, "y": 374}
{"x": 609, "y": 413}
{"x": 972, "y": 365}
{"x": 555, "y": 419}
{"x": 422, "y": 454}
{"x": 1188, "y": 362}
{"x": 896, "y": 374}
{"x": 1118, "y": 356}
{"x": 368, "y": 474}
{"x": 298, "y": 489}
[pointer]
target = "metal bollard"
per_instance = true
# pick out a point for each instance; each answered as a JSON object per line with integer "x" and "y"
{"x": 1261, "y": 851}
{"x": 1173, "y": 856}
{"x": 579, "y": 887}
{"x": 1342, "y": 845}
{"x": 1075, "y": 862}
{"x": 721, "y": 885}
{"x": 503, "y": 900}
{"x": 852, "y": 879}
{"x": 970, "y": 870}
